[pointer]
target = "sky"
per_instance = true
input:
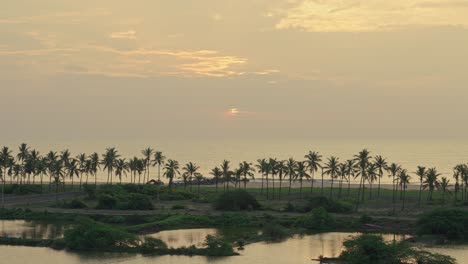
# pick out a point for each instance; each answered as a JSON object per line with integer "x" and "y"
{"x": 146, "y": 69}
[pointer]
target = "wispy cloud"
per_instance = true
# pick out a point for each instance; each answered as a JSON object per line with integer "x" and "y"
{"x": 62, "y": 17}
{"x": 376, "y": 15}
{"x": 129, "y": 34}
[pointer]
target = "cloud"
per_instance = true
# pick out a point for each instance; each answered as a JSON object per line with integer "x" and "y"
{"x": 58, "y": 17}
{"x": 129, "y": 34}
{"x": 366, "y": 16}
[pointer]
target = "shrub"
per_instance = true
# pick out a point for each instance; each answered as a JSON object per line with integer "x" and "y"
{"x": 75, "y": 204}
{"x": 22, "y": 189}
{"x": 450, "y": 223}
{"x": 91, "y": 235}
{"x": 274, "y": 232}
{"x": 151, "y": 244}
{"x": 318, "y": 219}
{"x": 90, "y": 190}
{"x": 106, "y": 201}
{"x": 178, "y": 207}
{"x": 216, "y": 246}
{"x": 331, "y": 206}
{"x": 235, "y": 201}
{"x": 138, "y": 202}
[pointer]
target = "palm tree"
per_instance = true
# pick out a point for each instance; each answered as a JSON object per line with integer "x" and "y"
{"x": 291, "y": 167}
{"x": 313, "y": 160}
{"x": 247, "y": 171}
{"x": 332, "y": 168}
{"x": 33, "y": 157}
{"x": 421, "y": 173}
{"x": 147, "y": 153}
{"x": 158, "y": 160}
{"x": 72, "y": 169}
{"x": 108, "y": 160}
{"x": 393, "y": 169}
{"x": 444, "y": 185}
{"x": 94, "y": 166}
{"x": 227, "y": 173}
{"x": 51, "y": 158}
{"x": 404, "y": 181}
{"x": 217, "y": 174}
{"x": 381, "y": 165}
{"x": 301, "y": 172}
{"x": 140, "y": 168}
{"x": 273, "y": 170}
{"x": 282, "y": 170}
{"x": 198, "y": 178}
{"x": 6, "y": 160}
{"x": 22, "y": 155}
{"x": 431, "y": 181}
{"x": 171, "y": 170}
{"x": 121, "y": 168}
{"x": 82, "y": 159}
{"x": 57, "y": 172}
{"x": 190, "y": 168}
{"x": 262, "y": 167}
{"x": 349, "y": 173}
{"x": 372, "y": 175}
{"x": 41, "y": 169}
{"x": 185, "y": 178}
{"x": 342, "y": 173}
{"x": 362, "y": 161}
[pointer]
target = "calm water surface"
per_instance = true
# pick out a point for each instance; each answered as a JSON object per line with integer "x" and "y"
{"x": 299, "y": 249}
{"x": 31, "y": 229}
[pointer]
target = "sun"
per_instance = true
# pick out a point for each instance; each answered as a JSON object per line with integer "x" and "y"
{"x": 234, "y": 111}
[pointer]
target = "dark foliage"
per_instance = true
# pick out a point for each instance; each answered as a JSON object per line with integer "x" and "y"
{"x": 235, "y": 201}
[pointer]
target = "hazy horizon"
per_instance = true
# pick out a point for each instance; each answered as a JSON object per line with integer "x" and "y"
{"x": 299, "y": 69}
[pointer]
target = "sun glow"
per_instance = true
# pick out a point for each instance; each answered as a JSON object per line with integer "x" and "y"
{"x": 234, "y": 111}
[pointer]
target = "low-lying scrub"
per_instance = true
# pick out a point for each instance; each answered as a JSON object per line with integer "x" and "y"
{"x": 236, "y": 200}
{"x": 318, "y": 219}
{"x": 452, "y": 224}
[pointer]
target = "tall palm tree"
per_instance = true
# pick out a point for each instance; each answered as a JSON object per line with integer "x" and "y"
{"x": 185, "y": 179}
{"x": 421, "y": 173}
{"x": 171, "y": 170}
{"x": 404, "y": 181}
{"x": 94, "y": 166}
{"x": 82, "y": 159}
{"x": 362, "y": 161}
{"x": 313, "y": 160}
{"x": 393, "y": 169}
{"x": 158, "y": 160}
{"x": 381, "y": 165}
{"x": 342, "y": 173}
{"x": 349, "y": 173}
{"x": 51, "y": 158}
{"x": 57, "y": 172}
{"x": 217, "y": 174}
{"x": 237, "y": 173}
{"x": 291, "y": 167}
{"x": 6, "y": 160}
{"x": 301, "y": 173}
{"x": 262, "y": 167}
{"x": 273, "y": 170}
{"x": 199, "y": 179}
{"x": 431, "y": 181}
{"x": 227, "y": 173}
{"x": 42, "y": 169}
{"x": 148, "y": 154}
{"x": 22, "y": 155}
{"x": 72, "y": 169}
{"x": 33, "y": 157}
{"x": 190, "y": 169}
{"x": 282, "y": 170}
{"x": 444, "y": 185}
{"x": 332, "y": 168}
{"x": 372, "y": 175}
{"x": 140, "y": 168}
{"x": 121, "y": 168}
{"x": 247, "y": 172}
{"x": 108, "y": 160}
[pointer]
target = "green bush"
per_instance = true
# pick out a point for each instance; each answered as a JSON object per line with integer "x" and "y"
{"x": 331, "y": 206}
{"x": 318, "y": 219}
{"x": 138, "y": 202}
{"x": 450, "y": 223}
{"x": 22, "y": 189}
{"x": 373, "y": 249}
{"x": 107, "y": 201}
{"x": 274, "y": 232}
{"x": 74, "y": 204}
{"x": 90, "y": 190}
{"x": 178, "y": 207}
{"x": 91, "y": 235}
{"x": 235, "y": 201}
{"x": 216, "y": 246}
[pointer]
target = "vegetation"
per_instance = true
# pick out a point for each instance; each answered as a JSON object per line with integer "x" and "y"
{"x": 235, "y": 201}
{"x": 452, "y": 224}
{"x": 319, "y": 219}
{"x": 373, "y": 249}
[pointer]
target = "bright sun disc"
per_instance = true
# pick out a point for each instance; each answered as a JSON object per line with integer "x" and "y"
{"x": 234, "y": 111}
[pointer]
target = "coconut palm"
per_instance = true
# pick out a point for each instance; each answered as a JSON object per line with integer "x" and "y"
{"x": 372, "y": 175}
{"x": 94, "y": 166}
{"x": 393, "y": 169}
{"x": 381, "y": 165}
{"x": 421, "y": 173}
{"x": 217, "y": 174}
{"x": 23, "y": 152}
{"x": 362, "y": 161}
{"x": 313, "y": 160}
{"x": 6, "y": 160}
{"x": 148, "y": 154}
{"x": 158, "y": 160}
{"x": 185, "y": 179}
{"x": 262, "y": 168}
{"x": 247, "y": 172}
{"x": 33, "y": 157}
{"x": 58, "y": 173}
{"x": 140, "y": 168}
{"x": 444, "y": 185}
{"x": 82, "y": 159}
{"x": 51, "y": 158}
{"x": 349, "y": 173}
{"x": 301, "y": 173}
{"x": 227, "y": 173}
{"x": 199, "y": 179}
{"x": 72, "y": 170}
{"x": 431, "y": 181}
{"x": 404, "y": 181}
{"x": 41, "y": 169}
{"x": 121, "y": 168}
{"x": 291, "y": 168}
{"x": 331, "y": 168}
{"x": 190, "y": 169}
{"x": 108, "y": 160}
{"x": 282, "y": 169}
{"x": 273, "y": 170}
{"x": 171, "y": 170}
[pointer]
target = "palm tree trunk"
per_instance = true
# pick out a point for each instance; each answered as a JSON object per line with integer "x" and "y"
{"x": 420, "y": 192}
{"x": 279, "y": 193}
{"x": 300, "y": 189}
{"x": 378, "y": 190}
{"x": 290, "y": 183}
{"x": 349, "y": 185}
{"x": 322, "y": 181}
{"x": 331, "y": 189}
{"x": 267, "y": 186}
{"x": 273, "y": 182}
{"x": 312, "y": 181}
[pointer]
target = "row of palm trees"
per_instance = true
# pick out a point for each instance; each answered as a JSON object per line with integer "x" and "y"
{"x": 29, "y": 165}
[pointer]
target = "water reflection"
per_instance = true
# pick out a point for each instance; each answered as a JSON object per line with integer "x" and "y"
{"x": 31, "y": 229}
{"x": 185, "y": 237}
